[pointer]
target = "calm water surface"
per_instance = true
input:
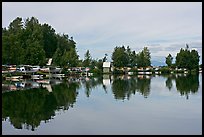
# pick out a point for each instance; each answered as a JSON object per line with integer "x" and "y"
{"x": 138, "y": 105}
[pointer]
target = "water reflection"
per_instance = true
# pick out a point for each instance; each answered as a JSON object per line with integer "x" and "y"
{"x": 169, "y": 81}
{"x": 185, "y": 84}
{"x": 90, "y": 83}
{"x": 27, "y": 108}
{"x": 124, "y": 86}
{"x": 8, "y": 86}
{"x": 40, "y": 100}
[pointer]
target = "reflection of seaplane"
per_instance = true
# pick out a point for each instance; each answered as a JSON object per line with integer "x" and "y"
{"x": 51, "y": 69}
{"x": 60, "y": 76}
{"x": 36, "y": 76}
{"x": 20, "y": 85}
{"x": 43, "y": 81}
{"x": 55, "y": 81}
{"x": 83, "y": 79}
{"x": 14, "y": 78}
{"x": 8, "y": 87}
{"x": 74, "y": 79}
{"x": 27, "y": 69}
{"x": 143, "y": 76}
{"x": 55, "y": 69}
{"x": 27, "y": 84}
{"x": 46, "y": 83}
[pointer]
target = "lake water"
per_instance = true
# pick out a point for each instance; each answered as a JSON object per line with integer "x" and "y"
{"x": 122, "y": 105}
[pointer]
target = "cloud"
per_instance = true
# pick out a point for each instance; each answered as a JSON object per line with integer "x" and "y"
{"x": 99, "y": 26}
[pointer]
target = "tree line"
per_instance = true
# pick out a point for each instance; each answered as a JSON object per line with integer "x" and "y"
{"x": 29, "y": 42}
{"x": 186, "y": 58}
{"x": 28, "y": 108}
{"x": 125, "y": 57}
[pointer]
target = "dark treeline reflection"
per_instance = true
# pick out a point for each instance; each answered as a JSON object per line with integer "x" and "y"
{"x": 123, "y": 87}
{"x": 90, "y": 83}
{"x": 27, "y": 108}
{"x": 185, "y": 84}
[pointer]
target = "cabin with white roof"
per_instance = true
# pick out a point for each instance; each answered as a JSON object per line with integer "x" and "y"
{"x": 106, "y": 67}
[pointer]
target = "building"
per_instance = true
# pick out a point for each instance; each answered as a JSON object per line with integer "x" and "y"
{"x": 106, "y": 67}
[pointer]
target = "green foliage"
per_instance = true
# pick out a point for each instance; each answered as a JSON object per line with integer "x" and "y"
{"x": 34, "y": 54}
{"x": 87, "y": 59}
{"x": 187, "y": 59}
{"x": 169, "y": 59}
{"x": 65, "y": 54}
{"x": 50, "y": 40}
{"x": 120, "y": 88}
{"x": 134, "y": 70}
{"x": 194, "y": 64}
{"x": 26, "y": 109}
{"x": 123, "y": 88}
{"x": 120, "y": 57}
{"x": 118, "y": 71}
{"x": 143, "y": 85}
{"x": 99, "y": 64}
{"x": 93, "y": 64}
{"x": 144, "y": 58}
{"x": 96, "y": 71}
{"x": 133, "y": 59}
{"x": 169, "y": 83}
{"x": 165, "y": 70}
{"x": 31, "y": 43}
{"x": 123, "y": 57}
{"x": 57, "y": 57}
{"x": 187, "y": 84}
{"x": 11, "y": 45}
{"x": 90, "y": 84}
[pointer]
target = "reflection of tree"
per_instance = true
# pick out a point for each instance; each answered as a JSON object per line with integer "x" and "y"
{"x": 105, "y": 88}
{"x": 169, "y": 80}
{"x": 143, "y": 86}
{"x": 187, "y": 84}
{"x": 91, "y": 83}
{"x": 120, "y": 88}
{"x": 87, "y": 88}
{"x": 29, "y": 107}
{"x": 65, "y": 94}
{"x": 169, "y": 83}
{"x": 124, "y": 88}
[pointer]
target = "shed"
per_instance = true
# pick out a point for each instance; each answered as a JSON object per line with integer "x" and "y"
{"x": 106, "y": 67}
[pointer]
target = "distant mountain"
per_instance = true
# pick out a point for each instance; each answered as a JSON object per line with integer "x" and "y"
{"x": 158, "y": 63}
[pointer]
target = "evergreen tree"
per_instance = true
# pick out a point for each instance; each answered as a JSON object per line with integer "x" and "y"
{"x": 169, "y": 59}
{"x": 29, "y": 42}
{"x": 105, "y": 58}
{"x": 87, "y": 59}
{"x": 187, "y": 59}
{"x": 120, "y": 57}
{"x": 143, "y": 58}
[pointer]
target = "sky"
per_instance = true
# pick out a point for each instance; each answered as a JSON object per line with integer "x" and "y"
{"x": 163, "y": 27}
